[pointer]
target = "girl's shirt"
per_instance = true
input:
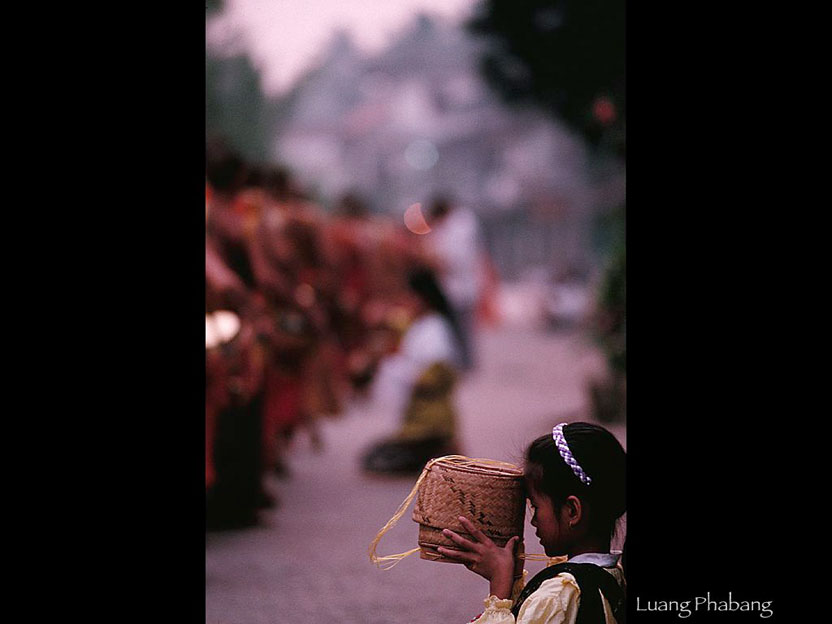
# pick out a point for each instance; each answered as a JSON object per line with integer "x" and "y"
{"x": 555, "y": 601}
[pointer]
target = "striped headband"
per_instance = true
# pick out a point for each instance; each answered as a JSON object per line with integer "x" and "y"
{"x": 566, "y": 454}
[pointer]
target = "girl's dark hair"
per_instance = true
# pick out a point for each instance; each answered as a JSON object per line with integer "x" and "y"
{"x": 602, "y": 458}
{"x": 423, "y": 282}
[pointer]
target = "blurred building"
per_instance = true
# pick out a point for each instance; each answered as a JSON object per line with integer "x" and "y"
{"x": 418, "y": 119}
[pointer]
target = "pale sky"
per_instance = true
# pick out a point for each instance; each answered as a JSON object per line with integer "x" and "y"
{"x": 284, "y": 37}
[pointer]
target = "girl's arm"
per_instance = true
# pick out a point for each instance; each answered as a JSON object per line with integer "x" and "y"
{"x": 555, "y": 602}
{"x": 482, "y": 556}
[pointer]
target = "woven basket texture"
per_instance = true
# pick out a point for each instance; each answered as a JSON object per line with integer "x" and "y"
{"x": 492, "y": 497}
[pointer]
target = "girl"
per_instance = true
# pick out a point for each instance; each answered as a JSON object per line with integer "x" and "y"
{"x": 575, "y": 480}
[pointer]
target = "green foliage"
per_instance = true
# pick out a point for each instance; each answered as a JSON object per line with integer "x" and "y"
{"x": 565, "y": 55}
{"x": 608, "y": 397}
{"x": 611, "y": 320}
{"x": 213, "y": 6}
{"x": 235, "y": 105}
{"x": 568, "y": 57}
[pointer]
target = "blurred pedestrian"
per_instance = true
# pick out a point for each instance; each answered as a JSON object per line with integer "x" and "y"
{"x": 298, "y": 280}
{"x": 455, "y": 243}
{"x": 234, "y": 365}
{"x": 226, "y": 173}
{"x": 234, "y": 371}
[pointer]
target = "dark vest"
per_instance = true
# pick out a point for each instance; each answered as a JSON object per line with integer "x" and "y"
{"x": 590, "y": 578}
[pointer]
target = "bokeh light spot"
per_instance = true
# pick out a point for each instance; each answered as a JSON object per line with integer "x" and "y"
{"x": 421, "y": 154}
{"x": 604, "y": 110}
{"x": 220, "y": 327}
{"x": 414, "y": 220}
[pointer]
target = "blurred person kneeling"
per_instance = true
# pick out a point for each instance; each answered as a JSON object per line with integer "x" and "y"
{"x": 423, "y": 375}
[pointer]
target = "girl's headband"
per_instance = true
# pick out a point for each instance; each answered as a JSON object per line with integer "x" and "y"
{"x": 566, "y": 454}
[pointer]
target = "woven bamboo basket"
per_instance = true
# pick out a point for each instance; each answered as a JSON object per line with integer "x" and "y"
{"x": 490, "y": 494}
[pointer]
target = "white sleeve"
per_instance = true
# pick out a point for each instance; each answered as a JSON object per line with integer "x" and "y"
{"x": 497, "y": 611}
{"x": 554, "y": 602}
{"x": 429, "y": 341}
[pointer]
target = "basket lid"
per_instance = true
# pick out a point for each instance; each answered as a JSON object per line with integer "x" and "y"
{"x": 488, "y": 467}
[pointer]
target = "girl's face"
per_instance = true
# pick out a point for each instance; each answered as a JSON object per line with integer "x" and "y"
{"x": 549, "y": 522}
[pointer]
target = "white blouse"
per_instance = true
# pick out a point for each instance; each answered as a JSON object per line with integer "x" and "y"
{"x": 556, "y": 601}
{"x": 428, "y": 340}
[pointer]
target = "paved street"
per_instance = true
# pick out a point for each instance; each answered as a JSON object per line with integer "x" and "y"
{"x": 308, "y": 562}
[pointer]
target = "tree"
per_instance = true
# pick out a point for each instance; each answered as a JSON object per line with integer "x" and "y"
{"x": 568, "y": 57}
{"x": 235, "y": 106}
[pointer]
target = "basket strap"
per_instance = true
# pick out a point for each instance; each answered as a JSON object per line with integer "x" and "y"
{"x": 386, "y": 562}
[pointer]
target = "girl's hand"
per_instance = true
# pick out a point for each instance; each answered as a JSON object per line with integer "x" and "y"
{"x": 484, "y": 557}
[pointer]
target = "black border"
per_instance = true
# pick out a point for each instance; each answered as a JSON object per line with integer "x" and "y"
{"x": 138, "y": 112}
{"x": 710, "y": 392}
{"x": 712, "y": 388}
